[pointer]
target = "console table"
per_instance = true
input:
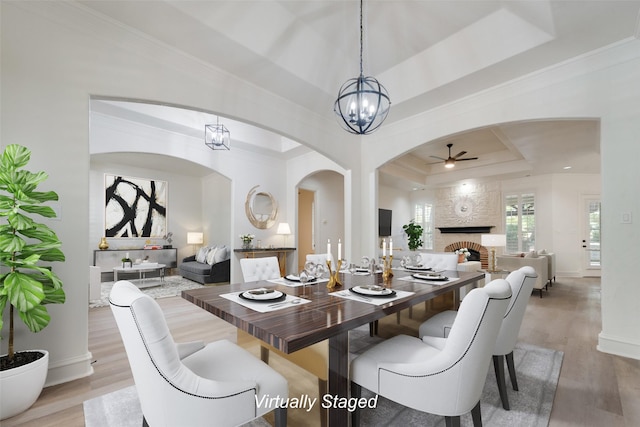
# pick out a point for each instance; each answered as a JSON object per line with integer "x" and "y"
{"x": 109, "y": 258}
{"x": 281, "y": 253}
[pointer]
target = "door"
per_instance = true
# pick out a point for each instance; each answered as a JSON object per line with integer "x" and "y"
{"x": 591, "y": 237}
{"x": 306, "y": 200}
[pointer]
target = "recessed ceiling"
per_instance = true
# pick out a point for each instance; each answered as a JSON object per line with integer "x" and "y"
{"x": 426, "y": 53}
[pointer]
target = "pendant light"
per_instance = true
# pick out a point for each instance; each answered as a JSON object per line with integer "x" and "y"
{"x": 217, "y": 137}
{"x": 363, "y": 103}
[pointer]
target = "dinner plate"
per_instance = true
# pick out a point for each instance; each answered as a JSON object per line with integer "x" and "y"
{"x": 432, "y": 277}
{"x": 263, "y": 295}
{"x": 373, "y": 291}
{"x": 418, "y": 268}
{"x": 293, "y": 278}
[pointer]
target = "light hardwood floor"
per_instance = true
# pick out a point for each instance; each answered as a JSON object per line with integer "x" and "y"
{"x": 595, "y": 389}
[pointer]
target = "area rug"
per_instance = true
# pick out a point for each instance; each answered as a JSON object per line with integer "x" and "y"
{"x": 171, "y": 287}
{"x": 538, "y": 370}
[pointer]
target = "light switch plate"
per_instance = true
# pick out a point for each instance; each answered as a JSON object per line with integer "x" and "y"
{"x": 625, "y": 218}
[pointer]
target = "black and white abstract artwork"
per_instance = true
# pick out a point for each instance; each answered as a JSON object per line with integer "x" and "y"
{"x": 135, "y": 207}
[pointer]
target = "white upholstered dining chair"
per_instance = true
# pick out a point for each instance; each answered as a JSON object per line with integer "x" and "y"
{"x": 321, "y": 259}
{"x": 313, "y": 359}
{"x": 190, "y": 384}
{"x": 437, "y": 375}
{"x": 521, "y": 282}
{"x": 264, "y": 268}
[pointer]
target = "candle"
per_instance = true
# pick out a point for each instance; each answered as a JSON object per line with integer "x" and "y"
{"x": 390, "y": 246}
{"x": 126, "y": 255}
{"x": 339, "y": 249}
{"x": 384, "y": 247}
{"x": 328, "y": 249}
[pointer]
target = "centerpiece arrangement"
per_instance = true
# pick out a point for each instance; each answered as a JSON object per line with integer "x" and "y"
{"x": 246, "y": 240}
{"x": 463, "y": 254}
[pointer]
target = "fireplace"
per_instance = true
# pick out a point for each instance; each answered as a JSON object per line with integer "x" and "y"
{"x": 477, "y": 251}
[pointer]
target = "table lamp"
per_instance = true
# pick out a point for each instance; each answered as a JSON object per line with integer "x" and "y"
{"x": 492, "y": 241}
{"x": 285, "y": 230}
{"x": 195, "y": 238}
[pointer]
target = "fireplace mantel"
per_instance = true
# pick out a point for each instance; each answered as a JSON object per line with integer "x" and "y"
{"x": 473, "y": 229}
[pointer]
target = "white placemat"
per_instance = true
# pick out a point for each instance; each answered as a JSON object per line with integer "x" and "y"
{"x": 347, "y": 294}
{"x": 429, "y": 282}
{"x": 265, "y": 307}
{"x": 293, "y": 283}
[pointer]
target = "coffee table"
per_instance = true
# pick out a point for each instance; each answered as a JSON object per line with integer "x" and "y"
{"x": 142, "y": 270}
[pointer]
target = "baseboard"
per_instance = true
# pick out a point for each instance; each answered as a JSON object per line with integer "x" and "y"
{"x": 618, "y": 346}
{"x": 70, "y": 369}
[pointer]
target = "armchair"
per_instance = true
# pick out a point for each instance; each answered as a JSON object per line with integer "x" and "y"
{"x": 437, "y": 375}
{"x": 190, "y": 384}
{"x": 539, "y": 264}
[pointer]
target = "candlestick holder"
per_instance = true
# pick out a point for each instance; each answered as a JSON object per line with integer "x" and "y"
{"x": 387, "y": 274}
{"x": 334, "y": 278}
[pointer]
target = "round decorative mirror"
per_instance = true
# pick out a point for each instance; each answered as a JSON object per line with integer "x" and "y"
{"x": 261, "y": 209}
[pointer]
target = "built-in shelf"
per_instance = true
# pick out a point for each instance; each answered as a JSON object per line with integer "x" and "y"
{"x": 467, "y": 229}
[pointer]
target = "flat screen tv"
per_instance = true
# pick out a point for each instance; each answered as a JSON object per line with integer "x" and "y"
{"x": 384, "y": 222}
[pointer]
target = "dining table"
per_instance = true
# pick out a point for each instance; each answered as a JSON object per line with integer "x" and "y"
{"x": 305, "y": 315}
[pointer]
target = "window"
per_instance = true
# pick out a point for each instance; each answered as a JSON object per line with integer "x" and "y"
{"x": 520, "y": 222}
{"x": 424, "y": 217}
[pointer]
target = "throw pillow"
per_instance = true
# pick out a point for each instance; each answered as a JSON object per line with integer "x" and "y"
{"x": 221, "y": 254}
{"x": 202, "y": 254}
{"x": 211, "y": 255}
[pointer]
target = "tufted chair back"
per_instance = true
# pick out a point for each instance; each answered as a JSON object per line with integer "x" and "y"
{"x": 322, "y": 259}
{"x": 440, "y": 261}
{"x": 254, "y": 269}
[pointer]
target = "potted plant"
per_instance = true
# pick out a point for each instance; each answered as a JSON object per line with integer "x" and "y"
{"x": 26, "y": 285}
{"x": 414, "y": 233}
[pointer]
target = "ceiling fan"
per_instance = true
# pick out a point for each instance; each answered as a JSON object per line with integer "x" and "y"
{"x": 451, "y": 161}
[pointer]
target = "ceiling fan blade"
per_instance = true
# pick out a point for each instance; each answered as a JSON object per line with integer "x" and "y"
{"x": 468, "y": 158}
{"x": 462, "y": 153}
{"x": 439, "y": 158}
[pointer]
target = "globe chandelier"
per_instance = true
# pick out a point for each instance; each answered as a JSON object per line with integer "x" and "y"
{"x": 363, "y": 103}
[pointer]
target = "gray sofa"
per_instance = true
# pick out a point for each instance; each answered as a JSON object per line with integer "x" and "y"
{"x": 209, "y": 265}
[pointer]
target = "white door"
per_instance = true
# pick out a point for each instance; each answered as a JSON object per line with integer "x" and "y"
{"x": 591, "y": 237}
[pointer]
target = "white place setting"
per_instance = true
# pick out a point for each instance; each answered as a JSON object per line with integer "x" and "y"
{"x": 429, "y": 278}
{"x": 293, "y": 281}
{"x": 374, "y": 294}
{"x": 265, "y": 300}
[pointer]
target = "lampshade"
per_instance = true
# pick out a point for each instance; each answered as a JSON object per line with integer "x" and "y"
{"x": 283, "y": 228}
{"x": 493, "y": 240}
{"x": 195, "y": 238}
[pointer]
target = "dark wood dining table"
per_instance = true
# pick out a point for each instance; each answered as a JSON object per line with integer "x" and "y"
{"x": 326, "y": 317}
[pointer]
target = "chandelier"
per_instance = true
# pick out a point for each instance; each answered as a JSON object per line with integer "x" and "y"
{"x": 217, "y": 137}
{"x": 363, "y": 103}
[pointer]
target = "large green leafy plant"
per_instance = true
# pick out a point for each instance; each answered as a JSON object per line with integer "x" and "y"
{"x": 26, "y": 284}
{"x": 414, "y": 234}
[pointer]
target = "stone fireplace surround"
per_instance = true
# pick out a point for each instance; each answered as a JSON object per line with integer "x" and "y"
{"x": 478, "y": 252}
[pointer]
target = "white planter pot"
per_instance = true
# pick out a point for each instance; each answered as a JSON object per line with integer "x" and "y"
{"x": 20, "y": 387}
